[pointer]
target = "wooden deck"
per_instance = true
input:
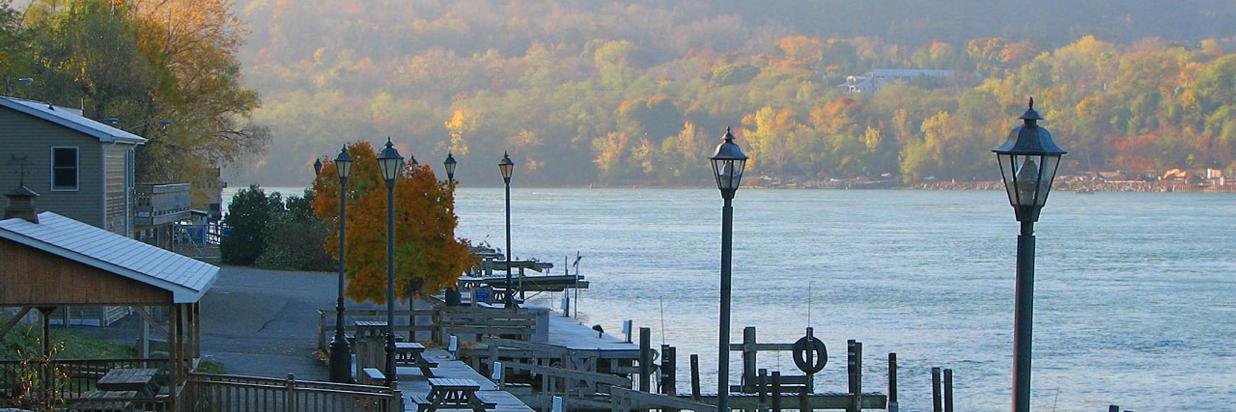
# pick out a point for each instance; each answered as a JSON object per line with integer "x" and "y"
{"x": 412, "y": 383}
{"x": 568, "y": 333}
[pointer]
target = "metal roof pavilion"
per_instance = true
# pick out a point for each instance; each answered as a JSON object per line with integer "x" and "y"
{"x": 185, "y": 278}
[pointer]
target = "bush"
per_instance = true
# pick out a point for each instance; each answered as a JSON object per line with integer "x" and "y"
{"x": 295, "y": 238}
{"x": 247, "y": 216}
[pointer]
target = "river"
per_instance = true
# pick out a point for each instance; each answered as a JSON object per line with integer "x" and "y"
{"x": 1135, "y": 297}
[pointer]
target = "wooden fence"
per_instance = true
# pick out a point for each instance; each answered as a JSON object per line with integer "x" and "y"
{"x": 466, "y": 322}
{"x": 71, "y": 382}
{"x": 209, "y": 392}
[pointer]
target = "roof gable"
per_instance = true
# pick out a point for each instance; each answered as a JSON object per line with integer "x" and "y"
{"x": 186, "y": 278}
{"x": 71, "y": 119}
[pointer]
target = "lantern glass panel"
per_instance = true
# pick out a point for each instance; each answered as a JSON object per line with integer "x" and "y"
{"x": 728, "y": 173}
{"x": 507, "y": 169}
{"x": 1047, "y": 173}
{"x": 344, "y": 166}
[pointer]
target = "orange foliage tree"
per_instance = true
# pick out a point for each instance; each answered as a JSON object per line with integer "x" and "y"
{"x": 428, "y": 257}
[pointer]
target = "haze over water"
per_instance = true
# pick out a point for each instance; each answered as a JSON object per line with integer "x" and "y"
{"x": 1135, "y": 297}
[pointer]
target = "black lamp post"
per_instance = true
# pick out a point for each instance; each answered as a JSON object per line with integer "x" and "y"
{"x": 727, "y": 166}
{"x": 340, "y": 355}
{"x": 390, "y": 162}
{"x": 507, "y": 167}
{"x": 1028, "y": 162}
{"x": 452, "y": 293}
{"x": 449, "y": 164}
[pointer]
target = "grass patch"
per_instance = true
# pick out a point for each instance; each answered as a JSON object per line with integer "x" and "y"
{"x": 26, "y": 339}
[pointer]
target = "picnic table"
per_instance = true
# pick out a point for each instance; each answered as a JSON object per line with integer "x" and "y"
{"x": 140, "y": 380}
{"x": 104, "y": 401}
{"x": 452, "y": 393}
{"x": 370, "y": 328}
{"x": 413, "y": 353}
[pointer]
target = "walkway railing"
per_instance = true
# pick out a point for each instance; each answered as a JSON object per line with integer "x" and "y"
{"x": 210, "y": 392}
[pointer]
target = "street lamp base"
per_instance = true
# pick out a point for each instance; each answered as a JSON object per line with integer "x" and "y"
{"x": 340, "y": 360}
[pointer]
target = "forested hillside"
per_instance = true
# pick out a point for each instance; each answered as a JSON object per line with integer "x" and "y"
{"x": 638, "y": 92}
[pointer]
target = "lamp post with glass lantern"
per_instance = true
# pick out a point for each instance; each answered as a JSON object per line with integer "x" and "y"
{"x": 340, "y": 355}
{"x": 1028, "y": 162}
{"x": 727, "y": 166}
{"x": 391, "y": 163}
{"x": 449, "y": 164}
{"x": 507, "y": 167}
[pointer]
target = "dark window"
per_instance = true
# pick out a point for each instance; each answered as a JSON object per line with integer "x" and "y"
{"x": 64, "y": 168}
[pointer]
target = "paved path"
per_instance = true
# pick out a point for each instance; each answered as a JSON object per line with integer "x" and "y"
{"x": 256, "y": 322}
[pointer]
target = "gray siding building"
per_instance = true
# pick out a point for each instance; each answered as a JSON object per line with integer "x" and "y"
{"x": 80, "y": 168}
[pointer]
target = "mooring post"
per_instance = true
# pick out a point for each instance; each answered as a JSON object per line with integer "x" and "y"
{"x": 850, "y": 366}
{"x": 892, "y": 382}
{"x": 1113, "y": 408}
{"x": 748, "y": 356}
{"x": 776, "y": 391}
{"x": 936, "y": 402}
{"x": 858, "y": 376}
{"x": 671, "y": 373}
{"x": 645, "y": 360}
{"x": 695, "y": 377}
{"x": 626, "y": 330}
{"x": 810, "y": 358}
{"x": 948, "y": 390}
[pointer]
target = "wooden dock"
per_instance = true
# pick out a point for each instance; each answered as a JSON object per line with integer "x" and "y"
{"x": 412, "y": 383}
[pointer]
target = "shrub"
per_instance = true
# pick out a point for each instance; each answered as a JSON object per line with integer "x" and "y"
{"x": 247, "y": 216}
{"x": 295, "y": 237}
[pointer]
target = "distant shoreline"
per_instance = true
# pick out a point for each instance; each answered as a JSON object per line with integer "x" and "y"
{"x": 1071, "y": 186}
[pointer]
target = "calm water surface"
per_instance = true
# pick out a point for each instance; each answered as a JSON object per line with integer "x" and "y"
{"x": 1135, "y": 295}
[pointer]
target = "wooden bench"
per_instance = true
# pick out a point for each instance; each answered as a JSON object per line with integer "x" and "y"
{"x": 373, "y": 376}
{"x": 104, "y": 401}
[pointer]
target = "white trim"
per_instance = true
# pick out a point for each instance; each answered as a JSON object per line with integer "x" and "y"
{"x": 77, "y": 169}
{"x": 180, "y": 294}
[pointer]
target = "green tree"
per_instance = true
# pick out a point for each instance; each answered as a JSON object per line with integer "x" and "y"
{"x": 246, "y": 219}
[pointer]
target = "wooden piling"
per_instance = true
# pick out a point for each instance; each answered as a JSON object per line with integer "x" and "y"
{"x": 695, "y": 377}
{"x": 669, "y": 370}
{"x": 645, "y": 360}
{"x": 858, "y": 376}
{"x": 892, "y": 381}
{"x": 849, "y": 371}
{"x": 948, "y": 390}
{"x": 748, "y": 356}
{"x": 776, "y": 391}
{"x": 937, "y": 404}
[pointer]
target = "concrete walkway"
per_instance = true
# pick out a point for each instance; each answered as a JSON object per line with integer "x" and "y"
{"x": 256, "y": 322}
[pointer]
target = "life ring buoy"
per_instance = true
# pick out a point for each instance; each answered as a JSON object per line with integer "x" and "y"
{"x": 818, "y": 351}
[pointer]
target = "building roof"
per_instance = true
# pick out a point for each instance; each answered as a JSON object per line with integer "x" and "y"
{"x": 187, "y": 279}
{"x": 72, "y": 119}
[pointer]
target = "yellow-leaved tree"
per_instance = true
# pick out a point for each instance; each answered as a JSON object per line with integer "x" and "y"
{"x": 428, "y": 257}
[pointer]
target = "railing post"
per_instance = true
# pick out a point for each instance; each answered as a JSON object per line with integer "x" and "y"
{"x": 695, "y": 377}
{"x": 289, "y": 399}
{"x": 396, "y": 404}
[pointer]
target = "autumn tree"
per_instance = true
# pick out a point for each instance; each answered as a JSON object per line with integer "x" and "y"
{"x": 163, "y": 69}
{"x": 428, "y": 256}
